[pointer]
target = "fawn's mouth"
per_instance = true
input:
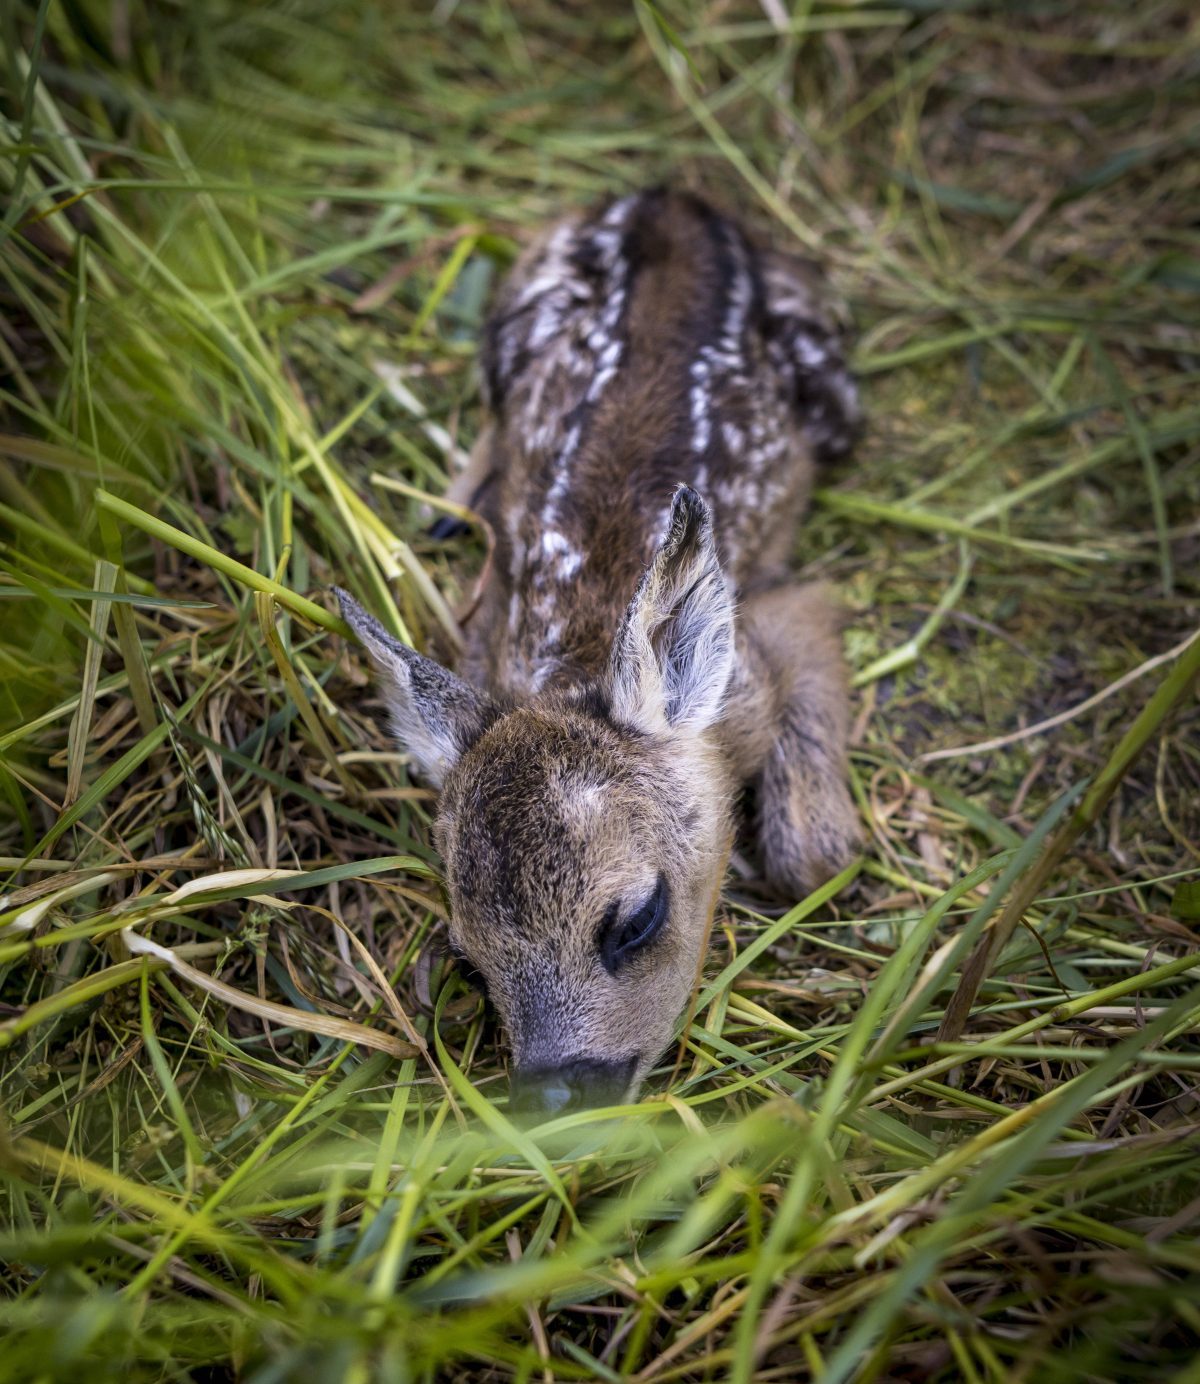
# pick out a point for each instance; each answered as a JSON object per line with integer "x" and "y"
{"x": 582, "y": 1084}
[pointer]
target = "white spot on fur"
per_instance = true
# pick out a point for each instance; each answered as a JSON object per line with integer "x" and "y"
{"x": 700, "y": 404}
{"x": 554, "y": 543}
{"x": 719, "y": 364}
{"x": 809, "y": 352}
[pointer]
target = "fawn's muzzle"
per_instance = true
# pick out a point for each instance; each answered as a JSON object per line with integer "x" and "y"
{"x": 578, "y": 1085}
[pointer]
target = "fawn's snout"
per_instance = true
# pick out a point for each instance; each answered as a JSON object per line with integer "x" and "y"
{"x": 579, "y": 1085}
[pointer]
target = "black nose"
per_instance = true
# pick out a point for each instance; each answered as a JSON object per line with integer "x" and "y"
{"x": 578, "y": 1085}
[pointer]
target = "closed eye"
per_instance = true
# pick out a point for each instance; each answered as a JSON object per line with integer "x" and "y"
{"x": 624, "y": 934}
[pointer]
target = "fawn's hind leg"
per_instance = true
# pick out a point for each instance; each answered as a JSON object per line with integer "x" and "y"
{"x": 789, "y": 723}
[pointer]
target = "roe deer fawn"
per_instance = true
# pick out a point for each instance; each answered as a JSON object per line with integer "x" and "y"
{"x": 658, "y": 388}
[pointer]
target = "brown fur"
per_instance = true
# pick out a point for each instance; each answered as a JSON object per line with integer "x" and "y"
{"x": 658, "y": 387}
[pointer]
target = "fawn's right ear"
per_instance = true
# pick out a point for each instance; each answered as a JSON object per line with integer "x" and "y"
{"x": 435, "y": 715}
{"x": 673, "y": 655}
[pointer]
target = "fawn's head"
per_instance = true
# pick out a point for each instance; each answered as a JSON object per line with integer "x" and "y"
{"x": 584, "y": 834}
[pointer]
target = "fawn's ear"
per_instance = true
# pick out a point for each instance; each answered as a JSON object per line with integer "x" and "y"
{"x": 673, "y": 655}
{"x": 435, "y": 715}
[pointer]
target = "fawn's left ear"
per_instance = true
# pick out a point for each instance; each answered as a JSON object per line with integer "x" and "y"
{"x": 435, "y": 715}
{"x": 673, "y": 655}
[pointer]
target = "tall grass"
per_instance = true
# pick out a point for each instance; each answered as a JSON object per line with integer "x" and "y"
{"x": 937, "y": 1121}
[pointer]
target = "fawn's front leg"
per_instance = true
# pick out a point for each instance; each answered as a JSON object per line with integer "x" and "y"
{"x": 787, "y": 727}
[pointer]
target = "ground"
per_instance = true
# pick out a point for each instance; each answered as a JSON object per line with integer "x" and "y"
{"x": 936, "y": 1122}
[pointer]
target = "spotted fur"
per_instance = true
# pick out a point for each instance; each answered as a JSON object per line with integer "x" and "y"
{"x": 659, "y": 388}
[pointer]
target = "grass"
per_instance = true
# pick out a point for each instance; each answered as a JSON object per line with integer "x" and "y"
{"x": 936, "y": 1122}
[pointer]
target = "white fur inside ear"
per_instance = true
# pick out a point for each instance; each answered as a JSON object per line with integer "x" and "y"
{"x": 434, "y": 714}
{"x": 422, "y": 733}
{"x": 674, "y": 654}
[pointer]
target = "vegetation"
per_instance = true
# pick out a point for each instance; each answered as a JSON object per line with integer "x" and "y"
{"x": 936, "y": 1122}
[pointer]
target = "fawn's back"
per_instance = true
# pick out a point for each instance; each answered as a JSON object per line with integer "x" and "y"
{"x": 643, "y": 347}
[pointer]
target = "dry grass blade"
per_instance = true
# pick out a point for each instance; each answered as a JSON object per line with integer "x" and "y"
{"x": 267, "y": 1009}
